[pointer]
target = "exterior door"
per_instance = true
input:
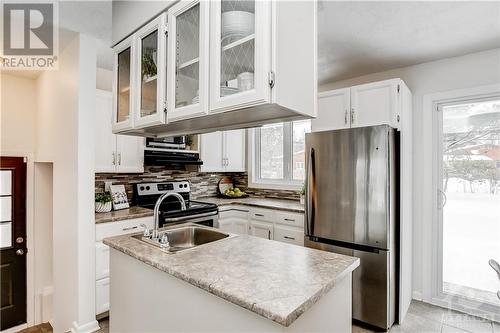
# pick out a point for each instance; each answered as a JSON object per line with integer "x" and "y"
{"x": 12, "y": 242}
{"x": 239, "y": 53}
{"x": 333, "y": 111}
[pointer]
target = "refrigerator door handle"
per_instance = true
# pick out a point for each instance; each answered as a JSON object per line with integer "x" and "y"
{"x": 310, "y": 190}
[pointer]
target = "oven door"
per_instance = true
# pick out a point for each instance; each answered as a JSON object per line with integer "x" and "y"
{"x": 210, "y": 219}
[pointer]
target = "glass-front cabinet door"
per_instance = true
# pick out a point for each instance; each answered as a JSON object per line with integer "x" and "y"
{"x": 151, "y": 74}
{"x": 123, "y": 97}
{"x": 240, "y": 53}
{"x": 188, "y": 53}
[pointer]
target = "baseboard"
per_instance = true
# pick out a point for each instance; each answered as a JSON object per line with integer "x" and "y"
{"x": 46, "y": 296}
{"x": 417, "y": 295}
{"x": 90, "y": 327}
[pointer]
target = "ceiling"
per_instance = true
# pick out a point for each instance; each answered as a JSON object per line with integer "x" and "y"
{"x": 358, "y": 38}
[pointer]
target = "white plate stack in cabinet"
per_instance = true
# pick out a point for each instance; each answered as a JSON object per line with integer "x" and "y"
{"x": 222, "y": 57}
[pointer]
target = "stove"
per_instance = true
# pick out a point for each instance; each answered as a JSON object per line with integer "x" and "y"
{"x": 146, "y": 195}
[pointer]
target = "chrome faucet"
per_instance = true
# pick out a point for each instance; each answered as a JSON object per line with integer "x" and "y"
{"x": 156, "y": 214}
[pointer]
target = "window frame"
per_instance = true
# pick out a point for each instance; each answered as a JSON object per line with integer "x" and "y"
{"x": 254, "y": 166}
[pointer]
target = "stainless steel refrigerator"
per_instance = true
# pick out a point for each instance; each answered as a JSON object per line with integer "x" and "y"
{"x": 351, "y": 209}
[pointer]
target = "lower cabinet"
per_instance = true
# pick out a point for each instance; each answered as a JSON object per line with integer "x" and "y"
{"x": 104, "y": 230}
{"x": 287, "y": 227}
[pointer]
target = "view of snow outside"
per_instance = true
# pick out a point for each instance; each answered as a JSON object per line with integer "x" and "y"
{"x": 471, "y": 212}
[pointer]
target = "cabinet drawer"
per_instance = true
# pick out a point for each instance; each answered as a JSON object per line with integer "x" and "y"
{"x": 262, "y": 215}
{"x": 102, "y": 296}
{"x": 110, "y": 229}
{"x": 289, "y": 235}
{"x": 101, "y": 261}
{"x": 292, "y": 219}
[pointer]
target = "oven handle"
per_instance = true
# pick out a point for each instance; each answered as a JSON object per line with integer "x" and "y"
{"x": 189, "y": 217}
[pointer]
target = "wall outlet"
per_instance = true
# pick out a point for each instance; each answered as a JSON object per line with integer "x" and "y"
{"x": 107, "y": 186}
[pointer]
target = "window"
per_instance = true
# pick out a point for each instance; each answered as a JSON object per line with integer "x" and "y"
{"x": 279, "y": 154}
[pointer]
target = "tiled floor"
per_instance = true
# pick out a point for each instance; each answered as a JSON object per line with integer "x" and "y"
{"x": 421, "y": 318}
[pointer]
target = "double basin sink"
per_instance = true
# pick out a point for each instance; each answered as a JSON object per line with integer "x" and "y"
{"x": 185, "y": 237}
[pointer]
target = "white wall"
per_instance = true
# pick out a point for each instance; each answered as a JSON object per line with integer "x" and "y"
{"x": 467, "y": 71}
{"x": 104, "y": 79}
{"x": 66, "y": 101}
{"x": 128, "y": 16}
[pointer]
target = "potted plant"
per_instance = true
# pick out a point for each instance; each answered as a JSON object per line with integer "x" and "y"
{"x": 189, "y": 142}
{"x": 103, "y": 202}
{"x": 303, "y": 194}
{"x": 148, "y": 64}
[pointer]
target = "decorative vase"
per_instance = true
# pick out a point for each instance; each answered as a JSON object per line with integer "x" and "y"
{"x": 103, "y": 207}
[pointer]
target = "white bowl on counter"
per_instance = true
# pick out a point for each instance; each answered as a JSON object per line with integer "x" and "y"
{"x": 236, "y": 25}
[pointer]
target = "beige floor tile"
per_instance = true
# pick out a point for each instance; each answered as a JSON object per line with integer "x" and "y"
{"x": 468, "y": 323}
{"x": 451, "y": 329}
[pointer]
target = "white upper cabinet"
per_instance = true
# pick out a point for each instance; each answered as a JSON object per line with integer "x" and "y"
{"x": 188, "y": 59}
{"x": 223, "y": 151}
{"x": 114, "y": 153}
{"x": 375, "y": 104}
{"x": 151, "y": 74}
{"x": 239, "y": 53}
{"x": 333, "y": 110}
{"x": 123, "y": 99}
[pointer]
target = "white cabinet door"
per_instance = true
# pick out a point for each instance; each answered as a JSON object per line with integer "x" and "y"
{"x": 123, "y": 98}
{"x": 130, "y": 153}
{"x": 105, "y": 140}
{"x": 261, "y": 229}
{"x": 211, "y": 152}
{"x": 234, "y": 150}
{"x": 149, "y": 86}
{"x": 240, "y": 226}
{"x": 375, "y": 104}
{"x": 101, "y": 296}
{"x": 226, "y": 225}
{"x": 239, "y": 62}
{"x": 101, "y": 260}
{"x": 188, "y": 51}
{"x": 333, "y": 111}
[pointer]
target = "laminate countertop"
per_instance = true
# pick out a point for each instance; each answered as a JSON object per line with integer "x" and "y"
{"x": 276, "y": 280}
{"x": 133, "y": 212}
{"x": 279, "y": 204}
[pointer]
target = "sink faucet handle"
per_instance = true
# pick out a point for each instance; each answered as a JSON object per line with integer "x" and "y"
{"x": 147, "y": 232}
{"x": 164, "y": 240}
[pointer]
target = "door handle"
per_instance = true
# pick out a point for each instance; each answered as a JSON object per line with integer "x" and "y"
{"x": 119, "y": 158}
{"x": 352, "y": 115}
{"x": 442, "y": 198}
{"x": 269, "y": 234}
{"x": 20, "y": 252}
{"x": 129, "y": 228}
{"x": 287, "y": 237}
{"x": 345, "y": 116}
{"x": 310, "y": 191}
{"x": 114, "y": 159}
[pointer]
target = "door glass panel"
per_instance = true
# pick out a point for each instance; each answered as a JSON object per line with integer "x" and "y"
{"x": 237, "y": 46}
{"x": 5, "y": 182}
{"x": 471, "y": 199}
{"x": 6, "y": 208}
{"x": 187, "y": 57}
{"x": 123, "y": 92}
{"x": 300, "y": 128}
{"x": 149, "y": 61}
{"x": 5, "y": 234}
{"x": 271, "y": 151}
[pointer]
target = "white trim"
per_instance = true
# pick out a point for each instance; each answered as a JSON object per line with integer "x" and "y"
{"x": 15, "y": 328}
{"x": 417, "y": 295}
{"x": 430, "y": 226}
{"x": 89, "y": 327}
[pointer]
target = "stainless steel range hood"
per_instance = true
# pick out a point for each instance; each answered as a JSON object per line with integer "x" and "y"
{"x": 254, "y": 116}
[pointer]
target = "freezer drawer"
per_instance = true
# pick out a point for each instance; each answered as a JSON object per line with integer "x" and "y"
{"x": 373, "y": 285}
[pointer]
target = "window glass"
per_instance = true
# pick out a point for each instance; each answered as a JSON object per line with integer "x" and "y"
{"x": 271, "y": 151}
{"x": 299, "y": 130}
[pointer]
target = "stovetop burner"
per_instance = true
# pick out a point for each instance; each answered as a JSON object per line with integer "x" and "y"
{"x": 146, "y": 195}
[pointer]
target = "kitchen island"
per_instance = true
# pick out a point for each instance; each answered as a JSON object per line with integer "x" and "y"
{"x": 239, "y": 283}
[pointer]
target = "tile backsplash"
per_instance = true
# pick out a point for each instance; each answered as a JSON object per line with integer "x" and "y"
{"x": 203, "y": 184}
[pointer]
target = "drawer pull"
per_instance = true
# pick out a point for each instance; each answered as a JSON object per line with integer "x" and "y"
{"x": 287, "y": 237}
{"x": 291, "y": 220}
{"x": 261, "y": 215}
{"x": 129, "y": 228}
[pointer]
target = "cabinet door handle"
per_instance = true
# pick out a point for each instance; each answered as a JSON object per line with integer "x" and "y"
{"x": 114, "y": 159}
{"x": 287, "y": 237}
{"x": 291, "y": 220}
{"x": 345, "y": 116}
{"x": 260, "y": 215}
{"x": 119, "y": 158}
{"x": 352, "y": 115}
{"x": 129, "y": 228}
{"x": 269, "y": 234}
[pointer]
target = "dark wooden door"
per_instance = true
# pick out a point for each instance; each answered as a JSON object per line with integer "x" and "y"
{"x": 12, "y": 241}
